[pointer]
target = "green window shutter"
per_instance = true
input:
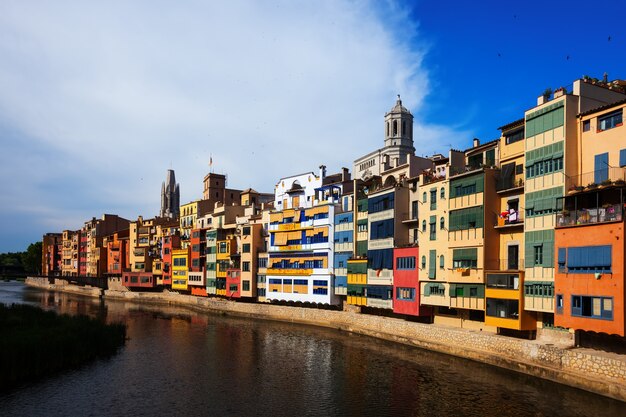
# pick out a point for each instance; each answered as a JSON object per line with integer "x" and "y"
{"x": 432, "y": 264}
{"x": 427, "y": 289}
{"x": 529, "y": 249}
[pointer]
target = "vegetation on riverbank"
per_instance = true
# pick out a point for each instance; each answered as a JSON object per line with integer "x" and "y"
{"x": 35, "y": 343}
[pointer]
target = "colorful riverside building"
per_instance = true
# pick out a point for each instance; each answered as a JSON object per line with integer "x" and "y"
{"x": 344, "y": 241}
{"x": 504, "y": 281}
{"x": 300, "y": 265}
{"x": 552, "y": 154}
{"x": 145, "y": 261}
{"x": 430, "y": 212}
{"x": 180, "y": 262}
{"x": 589, "y": 236}
{"x": 69, "y": 257}
{"x": 118, "y": 253}
{"x": 52, "y": 251}
{"x": 171, "y": 241}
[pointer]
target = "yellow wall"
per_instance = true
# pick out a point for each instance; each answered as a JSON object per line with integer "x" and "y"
{"x": 182, "y": 270}
{"x": 594, "y": 142}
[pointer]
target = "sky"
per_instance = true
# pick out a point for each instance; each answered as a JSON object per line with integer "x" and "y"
{"x": 99, "y": 99}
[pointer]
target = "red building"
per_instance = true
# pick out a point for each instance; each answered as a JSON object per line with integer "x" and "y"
{"x": 117, "y": 253}
{"x": 51, "y": 254}
{"x": 198, "y": 244}
{"x": 589, "y": 270}
{"x": 233, "y": 283}
{"x": 171, "y": 241}
{"x": 406, "y": 287}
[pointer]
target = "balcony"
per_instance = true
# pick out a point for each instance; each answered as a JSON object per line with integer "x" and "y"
{"x": 505, "y": 264}
{"x": 601, "y": 178}
{"x": 505, "y": 184}
{"x": 586, "y": 216}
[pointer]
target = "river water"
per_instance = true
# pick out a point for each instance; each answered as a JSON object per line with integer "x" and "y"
{"x": 183, "y": 363}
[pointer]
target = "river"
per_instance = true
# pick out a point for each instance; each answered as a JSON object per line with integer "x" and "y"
{"x": 184, "y": 363}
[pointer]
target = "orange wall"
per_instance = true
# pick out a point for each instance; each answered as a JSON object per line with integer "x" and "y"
{"x": 609, "y": 285}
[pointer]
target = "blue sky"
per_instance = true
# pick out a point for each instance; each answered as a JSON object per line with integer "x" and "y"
{"x": 98, "y": 100}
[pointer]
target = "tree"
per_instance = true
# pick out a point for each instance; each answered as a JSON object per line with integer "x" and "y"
{"x": 31, "y": 259}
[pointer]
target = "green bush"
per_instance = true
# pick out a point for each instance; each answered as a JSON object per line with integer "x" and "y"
{"x": 35, "y": 342}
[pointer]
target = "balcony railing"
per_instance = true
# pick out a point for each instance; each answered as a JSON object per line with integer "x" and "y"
{"x": 507, "y": 183}
{"x": 505, "y": 264}
{"x": 590, "y": 180}
{"x": 611, "y": 213}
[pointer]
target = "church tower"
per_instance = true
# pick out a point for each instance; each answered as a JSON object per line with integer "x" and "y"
{"x": 399, "y": 133}
{"x": 170, "y": 197}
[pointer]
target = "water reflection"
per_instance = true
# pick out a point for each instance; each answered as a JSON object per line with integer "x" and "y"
{"x": 181, "y": 362}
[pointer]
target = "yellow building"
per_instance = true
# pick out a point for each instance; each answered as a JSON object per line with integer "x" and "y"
{"x": 180, "y": 269}
{"x": 504, "y": 292}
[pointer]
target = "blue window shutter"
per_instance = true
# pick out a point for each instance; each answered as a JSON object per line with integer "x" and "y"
{"x": 562, "y": 255}
{"x": 622, "y": 158}
{"x": 601, "y": 168}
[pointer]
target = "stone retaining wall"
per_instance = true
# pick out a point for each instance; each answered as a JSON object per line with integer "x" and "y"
{"x": 599, "y": 372}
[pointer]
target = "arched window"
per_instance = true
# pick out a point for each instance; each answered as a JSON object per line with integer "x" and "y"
{"x": 423, "y": 262}
{"x": 441, "y": 223}
{"x": 403, "y": 128}
{"x": 441, "y": 262}
{"x": 395, "y": 128}
{"x": 424, "y": 197}
{"x": 443, "y": 193}
{"x": 423, "y": 225}
{"x": 387, "y": 128}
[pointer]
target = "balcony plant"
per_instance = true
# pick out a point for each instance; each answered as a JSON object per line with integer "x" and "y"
{"x": 620, "y": 182}
{"x": 592, "y": 186}
{"x": 606, "y": 183}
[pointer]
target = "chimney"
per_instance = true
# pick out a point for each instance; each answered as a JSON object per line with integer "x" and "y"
{"x": 345, "y": 174}
{"x": 322, "y": 171}
{"x": 605, "y": 78}
{"x": 476, "y": 142}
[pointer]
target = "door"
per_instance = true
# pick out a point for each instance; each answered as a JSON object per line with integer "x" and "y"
{"x": 513, "y": 254}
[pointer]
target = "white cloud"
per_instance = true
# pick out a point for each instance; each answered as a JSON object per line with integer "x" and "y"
{"x": 118, "y": 91}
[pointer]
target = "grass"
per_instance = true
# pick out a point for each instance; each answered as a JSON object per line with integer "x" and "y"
{"x": 35, "y": 343}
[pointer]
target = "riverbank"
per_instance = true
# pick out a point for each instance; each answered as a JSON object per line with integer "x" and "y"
{"x": 36, "y": 343}
{"x": 599, "y": 372}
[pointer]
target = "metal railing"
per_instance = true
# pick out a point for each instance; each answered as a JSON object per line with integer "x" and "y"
{"x": 610, "y": 213}
{"x": 605, "y": 177}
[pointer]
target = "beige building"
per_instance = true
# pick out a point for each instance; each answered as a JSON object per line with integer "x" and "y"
{"x": 552, "y": 154}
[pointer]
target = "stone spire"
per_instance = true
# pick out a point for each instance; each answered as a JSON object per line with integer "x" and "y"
{"x": 170, "y": 197}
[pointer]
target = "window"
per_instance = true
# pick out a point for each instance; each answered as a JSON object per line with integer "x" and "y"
{"x": 514, "y": 136}
{"x": 433, "y": 199}
{"x": 538, "y": 254}
{"x": 414, "y": 209}
{"x": 245, "y": 266}
{"x": 233, "y": 288}
{"x": 501, "y": 308}
{"x": 442, "y": 262}
{"x": 539, "y": 289}
{"x": 586, "y": 125}
{"x": 503, "y": 281}
{"x": 622, "y": 157}
{"x": 442, "y": 223}
{"x": 246, "y": 231}
{"x": 465, "y": 258}
{"x": 610, "y": 120}
{"x": 423, "y": 225}
{"x": 432, "y": 264}
{"x": 585, "y": 259}
{"x": 405, "y": 294}
{"x": 262, "y": 263}
{"x": 405, "y": 262}
{"x": 468, "y": 218}
{"x": 592, "y": 307}
{"x": 246, "y": 248}
{"x": 382, "y": 229}
{"x": 547, "y": 118}
{"x": 424, "y": 197}
{"x": 381, "y": 202}
{"x": 442, "y": 193}
{"x": 423, "y": 262}
{"x": 245, "y": 286}
{"x": 559, "y": 304}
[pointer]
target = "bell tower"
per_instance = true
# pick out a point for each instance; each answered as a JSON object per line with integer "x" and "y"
{"x": 399, "y": 126}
